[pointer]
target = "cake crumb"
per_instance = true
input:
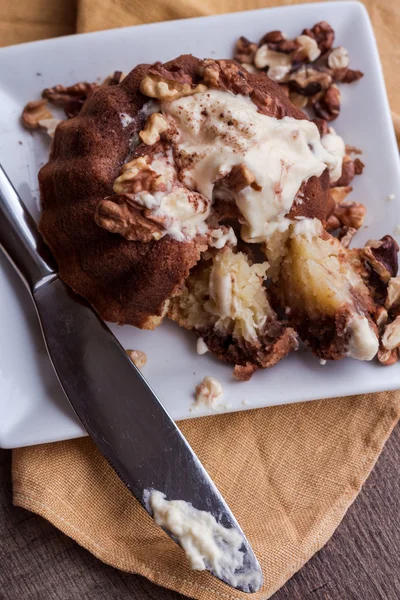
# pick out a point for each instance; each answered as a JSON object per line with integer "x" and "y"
{"x": 245, "y": 402}
{"x": 209, "y": 392}
{"x": 397, "y": 230}
{"x": 322, "y": 361}
{"x": 138, "y": 358}
{"x": 201, "y": 346}
{"x": 390, "y": 197}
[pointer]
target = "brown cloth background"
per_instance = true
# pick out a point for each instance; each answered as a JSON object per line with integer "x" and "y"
{"x": 289, "y": 473}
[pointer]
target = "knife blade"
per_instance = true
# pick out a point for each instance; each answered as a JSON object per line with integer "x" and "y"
{"x": 114, "y": 402}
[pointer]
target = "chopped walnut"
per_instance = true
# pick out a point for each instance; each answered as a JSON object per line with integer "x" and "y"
{"x": 381, "y": 319}
{"x": 348, "y": 172}
{"x": 388, "y": 357}
{"x": 137, "y": 176}
{"x": 245, "y": 51}
{"x": 358, "y": 166}
{"x": 308, "y": 49}
{"x": 299, "y": 100}
{"x": 306, "y": 65}
{"x": 324, "y": 35}
{"x": 346, "y": 235}
{"x": 309, "y": 81}
{"x": 352, "y": 76}
{"x": 338, "y": 58}
{"x": 278, "y": 63}
{"x": 121, "y": 215}
{"x": 114, "y": 79}
{"x": 391, "y": 337}
{"x": 352, "y": 150}
{"x": 61, "y": 95}
{"x": 238, "y": 178}
{"x": 393, "y": 293}
{"x": 49, "y": 125}
{"x": 382, "y": 256}
{"x": 34, "y": 112}
{"x": 322, "y": 126}
{"x": 276, "y": 40}
{"x": 332, "y": 223}
{"x": 70, "y": 98}
{"x": 223, "y": 75}
{"x": 350, "y": 214}
{"x": 250, "y": 68}
{"x": 138, "y": 357}
{"x": 155, "y": 125}
{"x": 345, "y": 214}
{"x": 328, "y": 107}
{"x": 339, "y": 193}
{"x": 244, "y": 372}
{"x": 155, "y": 86}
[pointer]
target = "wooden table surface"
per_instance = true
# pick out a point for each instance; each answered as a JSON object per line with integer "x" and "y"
{"x": 360, "y": 562}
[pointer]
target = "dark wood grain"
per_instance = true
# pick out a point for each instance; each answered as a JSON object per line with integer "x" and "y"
{"x": 360, "y": 562}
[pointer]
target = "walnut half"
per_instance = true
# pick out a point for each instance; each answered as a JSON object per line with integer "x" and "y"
{"x": 155, "y": 86}
{"x": 155, "y": 125}
{"x": 121, "y": 215}
{"x": 34, "y": 112}
{"x": 137, "y": 176}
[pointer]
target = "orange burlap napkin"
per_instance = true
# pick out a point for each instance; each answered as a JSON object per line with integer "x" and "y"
{"x": 289, "y": 473}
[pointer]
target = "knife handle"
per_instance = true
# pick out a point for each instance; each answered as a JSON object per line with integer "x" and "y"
{"x": 20, "y": 239}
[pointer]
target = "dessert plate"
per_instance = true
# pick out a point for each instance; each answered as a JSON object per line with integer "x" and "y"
{"x": 32, "y": 406}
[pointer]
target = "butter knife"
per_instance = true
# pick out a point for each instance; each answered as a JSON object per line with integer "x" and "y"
{"x": 120, "y": 411}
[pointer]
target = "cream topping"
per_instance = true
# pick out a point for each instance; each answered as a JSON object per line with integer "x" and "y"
{"x": 207, "y": 543}
{"x": 213, "y": 131}
{"x": 307, "y": 228}
{"x": 334, "y": 144}
{"x": 363, "y": 343}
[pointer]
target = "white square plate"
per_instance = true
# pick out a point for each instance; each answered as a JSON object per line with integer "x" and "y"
{"x": 32, "y": 406}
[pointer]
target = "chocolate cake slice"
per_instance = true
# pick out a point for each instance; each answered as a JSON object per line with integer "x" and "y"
{"x": 86, "y": 221}
{"x": 157, "y": 193}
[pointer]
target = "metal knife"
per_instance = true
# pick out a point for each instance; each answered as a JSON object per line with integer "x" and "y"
{"x": 114, "y": 402}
